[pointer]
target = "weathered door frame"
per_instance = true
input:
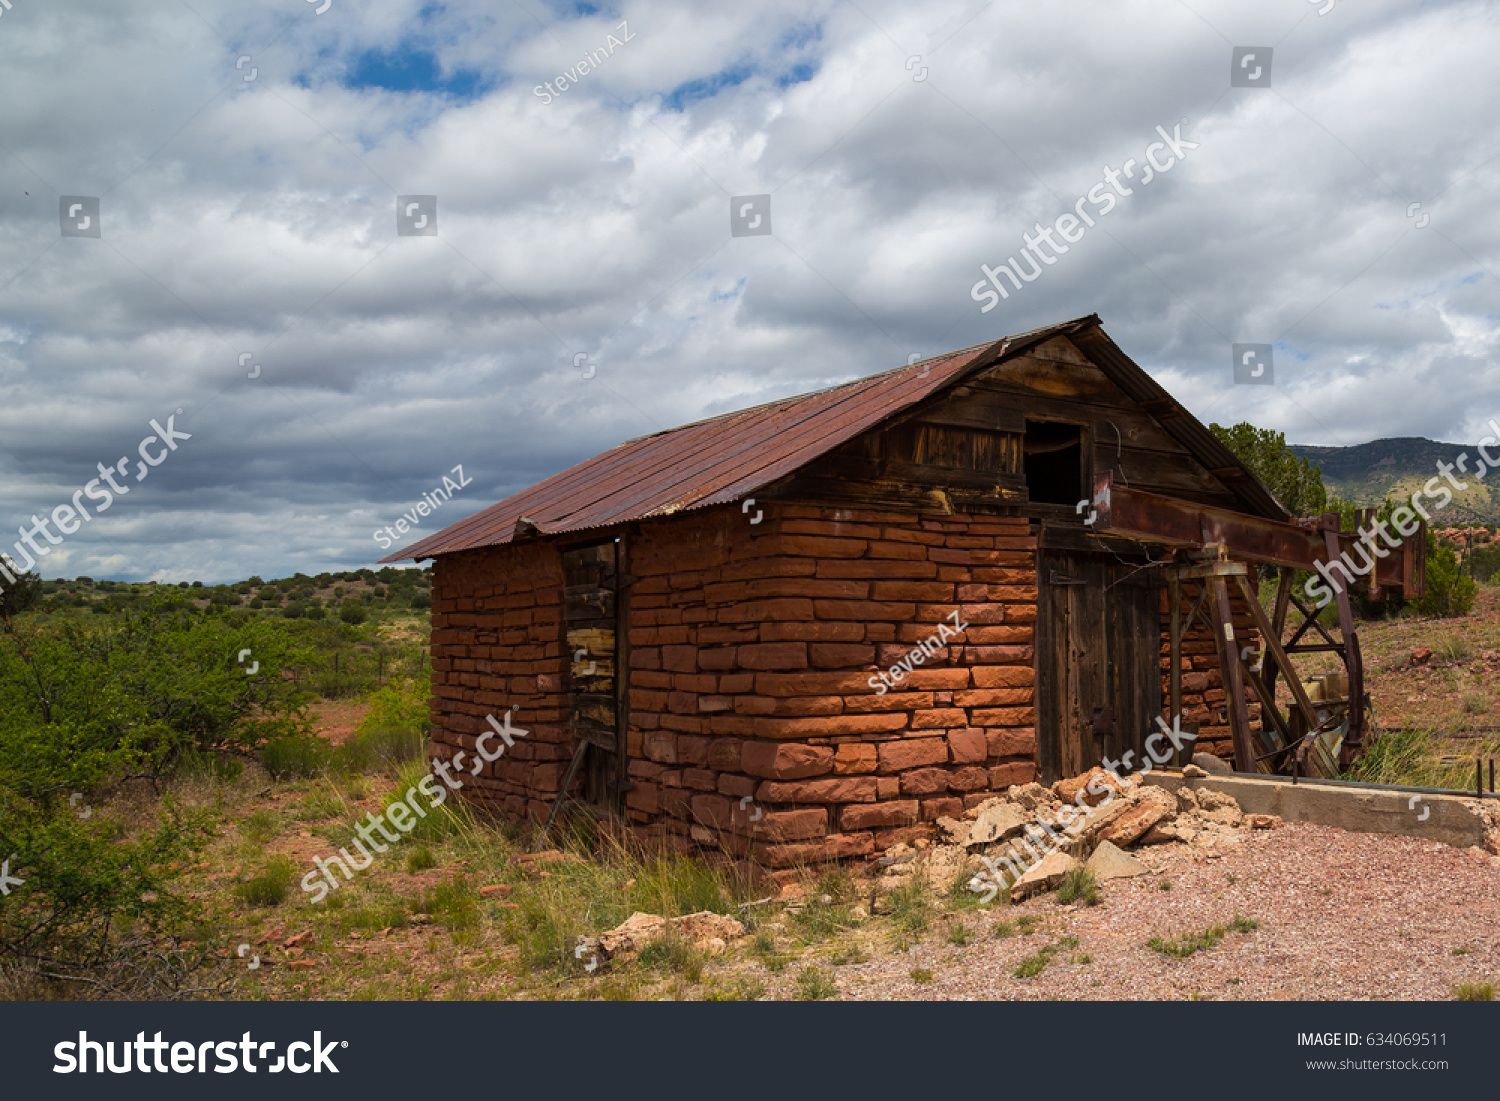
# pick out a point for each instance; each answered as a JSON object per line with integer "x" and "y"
{"x": 1114, "y": 732}
{"x": 598, "y": 719}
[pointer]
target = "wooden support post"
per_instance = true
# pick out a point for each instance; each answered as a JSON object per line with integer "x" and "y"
{"x": 1174, "y": 600}
{"x": 1234, "y": 681}
{"x": 562, "y": 792}
{"x": 623, "y": 587}
{"x": 1353, "y": 667}
{"x": 1278, "y": 656}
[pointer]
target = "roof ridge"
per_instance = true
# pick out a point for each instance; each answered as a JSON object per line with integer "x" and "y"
{"x": 814, "y": 393}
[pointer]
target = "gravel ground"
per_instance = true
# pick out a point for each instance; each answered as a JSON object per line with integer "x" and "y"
{"x": 1342, "y": 916}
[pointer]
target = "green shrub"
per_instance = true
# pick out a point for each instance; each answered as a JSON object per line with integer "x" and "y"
{"x": 420, "y": 859}
{"x": 674, "y": 953}
{"x": 454, "y": 903}
{"x": 1079, "y": 885}
{"x": 260, "y": 826}
{"x": 1449, "y": 593}
{"x": 401, "y": 703}
{"x": 352, "y": 613}
{"x": 814, "y": 986}
{"x": 1475, "y": 992}
{"x": 271, "y": 886}
{"x": 298, "y": 756}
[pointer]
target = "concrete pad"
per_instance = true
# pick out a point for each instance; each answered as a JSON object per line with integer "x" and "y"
{"x": 1451, "y": 819}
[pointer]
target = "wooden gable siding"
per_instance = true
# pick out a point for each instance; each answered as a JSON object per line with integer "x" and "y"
{"x": 964, "y": 449}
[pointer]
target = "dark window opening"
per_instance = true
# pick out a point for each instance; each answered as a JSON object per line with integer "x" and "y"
{"x": 1054, "y": 462}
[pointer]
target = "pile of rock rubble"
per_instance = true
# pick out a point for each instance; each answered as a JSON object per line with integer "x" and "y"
{"x": 1047, "y": 832}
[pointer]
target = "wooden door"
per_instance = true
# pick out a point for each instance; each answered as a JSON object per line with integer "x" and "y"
{"x": 1098, "y": 660}
{"x": 590, "y": 609}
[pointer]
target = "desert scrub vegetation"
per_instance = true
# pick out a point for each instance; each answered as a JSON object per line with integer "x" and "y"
{"x": 1187, "y": 944}
{"x": 135, "y": 701}
{"x": 1079, "y": 885}
{"x": 1416, "y": 758}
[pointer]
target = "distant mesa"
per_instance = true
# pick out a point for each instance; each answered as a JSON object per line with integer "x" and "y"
{"x": 1368, "y": 473}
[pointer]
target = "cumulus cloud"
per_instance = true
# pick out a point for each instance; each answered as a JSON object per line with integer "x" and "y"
{"x": 247, "y": 160}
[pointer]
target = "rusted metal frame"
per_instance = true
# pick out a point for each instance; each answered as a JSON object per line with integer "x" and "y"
{"x": 1352, "y": 665}
{"x": 1310, "y": 619}
{"x": 1279, "y": 658}
{"x": 1234, "y": 682}
{"x": 1156, "y": 518}
{"x": 1364, "y": 520}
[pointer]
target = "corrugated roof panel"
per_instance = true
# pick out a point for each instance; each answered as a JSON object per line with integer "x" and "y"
{"x": 722, "y": 459}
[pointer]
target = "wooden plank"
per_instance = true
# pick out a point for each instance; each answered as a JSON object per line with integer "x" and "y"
{"x": 1134, "y": 667}
{"x": 905, "y": 473}
{"x": 919, "y": 444}
{"x": 1156, "y": 471}
{"x": 1278, "y": 655}
{"x": 1234, "y": 684}
{"x": 588, "y": 602}
{"x": 1045, "y": 669}
{"x": 1056, "y": 378}
{"x": 1062, "y": 350}
{"x": 1135, "y": 426}
{"x": 562, "y": 791}
{"x": 596, "y": 707}
{"x": 1174, "y": 656}
{"x": 975, "y": 409}
{"x": 595, "y": 735}
{"x": 619, "y": 782}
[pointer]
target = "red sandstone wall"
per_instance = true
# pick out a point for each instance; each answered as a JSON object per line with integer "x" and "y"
{"x": 751, "y": 651}
{"x": 497, "y": 643}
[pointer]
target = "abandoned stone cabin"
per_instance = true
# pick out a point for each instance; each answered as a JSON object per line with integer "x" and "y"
{"x": 714, "y": 663}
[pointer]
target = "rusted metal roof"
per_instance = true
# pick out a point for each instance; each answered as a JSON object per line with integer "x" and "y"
{"x": 720, "y": 460}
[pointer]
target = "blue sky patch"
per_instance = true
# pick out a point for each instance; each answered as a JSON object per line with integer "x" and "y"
{"x": 413, "y": 70}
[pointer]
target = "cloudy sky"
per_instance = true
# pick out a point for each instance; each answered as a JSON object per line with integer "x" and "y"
{"x": 585, "y": 284}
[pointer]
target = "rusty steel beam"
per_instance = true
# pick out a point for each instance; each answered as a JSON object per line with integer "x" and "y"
{"x": 1301, "y": 545}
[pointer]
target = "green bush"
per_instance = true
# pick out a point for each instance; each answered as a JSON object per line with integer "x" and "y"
{"x": 1079, "y": 885}
{"x": 271, "y": 886}
{"x": 1449, "y": 592}
{"x": 381, "y": 748}
{"x": 352, "y": 613}
{"x": 299, "y": 755}
{"x": 454, "y": 903}
{"x": 401, "y": 703}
